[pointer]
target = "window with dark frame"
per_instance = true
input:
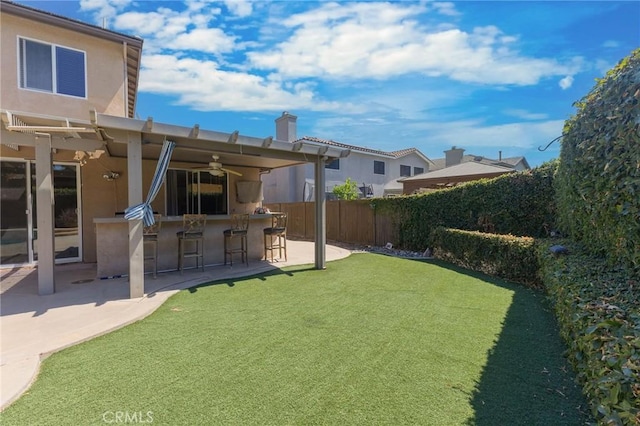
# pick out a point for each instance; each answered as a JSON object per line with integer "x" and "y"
{"x": 378, "y": 167}
{"x": 418, "y": 170}
{"x": 405, "y": 170}
{"x": 334, "y": 165}
{"x": 191, "y": 192}
{"x": 50, "y": 68}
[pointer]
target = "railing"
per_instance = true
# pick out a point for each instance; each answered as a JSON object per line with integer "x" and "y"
{"x": 353, "y": 222}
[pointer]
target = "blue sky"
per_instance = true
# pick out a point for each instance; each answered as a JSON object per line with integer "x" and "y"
{"x": 481, "y": 75}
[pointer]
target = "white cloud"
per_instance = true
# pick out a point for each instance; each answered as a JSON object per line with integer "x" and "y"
{"x": 611, "y": 44}
{"x": 388, "y": 133}
{"x": 525, "y": 115}
{"x": 239, "y": 8}
{"x": 166, "y": 29}
{"x": 212, "y": 40}
{"x": 385, "y": 40}
{"x": 471, "y": 134}
{"x": 566, "y": 82}
{"x": 445, "y": 8}
{"x": 103, "y": 10}
{"x": 201, "y": 85}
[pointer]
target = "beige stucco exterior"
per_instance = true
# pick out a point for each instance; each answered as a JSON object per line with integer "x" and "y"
{"x": 105, "y": 69}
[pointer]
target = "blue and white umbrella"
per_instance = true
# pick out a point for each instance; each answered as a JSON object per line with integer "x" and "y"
{"x": 144, "y": 211}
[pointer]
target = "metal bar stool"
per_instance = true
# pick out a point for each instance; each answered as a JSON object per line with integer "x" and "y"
{"x": 239, "y": 229}
{"x": 193, "y": 226}
{"x": 275, "y": 237}
{"x": 150, "y": 237}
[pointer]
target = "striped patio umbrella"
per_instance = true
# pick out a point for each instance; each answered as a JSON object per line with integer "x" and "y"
{"x": 144, "y": 211}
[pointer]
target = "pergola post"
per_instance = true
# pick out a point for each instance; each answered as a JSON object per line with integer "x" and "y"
{"x": 136, "y": 245}
{"x": 321, "y": 214}
{"x": 46, "y": 214}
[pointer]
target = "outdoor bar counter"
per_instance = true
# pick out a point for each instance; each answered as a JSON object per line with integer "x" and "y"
{"x": 112, "y": 243}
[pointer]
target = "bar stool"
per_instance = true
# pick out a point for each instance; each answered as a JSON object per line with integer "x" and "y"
{"x": 277, "y": 232}
{"x": 150, "y": 236}
{"x": 193, "y": 226}
{"x": 239, "y": 229}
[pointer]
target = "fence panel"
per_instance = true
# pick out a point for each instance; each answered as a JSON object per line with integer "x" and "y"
{"x": 353, "y": 222}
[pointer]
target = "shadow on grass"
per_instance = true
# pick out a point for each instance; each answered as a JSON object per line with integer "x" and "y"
{"x": 526, "y": 379}
{"x": 262, "y": 276}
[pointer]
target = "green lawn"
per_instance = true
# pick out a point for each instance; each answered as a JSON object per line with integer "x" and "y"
{"x": 371, "y": 340}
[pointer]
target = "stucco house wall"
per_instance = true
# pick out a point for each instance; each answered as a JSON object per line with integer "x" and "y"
{"x": 105, "y": 71}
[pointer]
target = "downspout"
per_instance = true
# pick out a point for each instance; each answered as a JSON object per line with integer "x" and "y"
{"x": 126, "y": 81}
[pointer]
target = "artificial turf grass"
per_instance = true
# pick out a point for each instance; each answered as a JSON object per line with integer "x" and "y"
{"x": 372, "y": 339}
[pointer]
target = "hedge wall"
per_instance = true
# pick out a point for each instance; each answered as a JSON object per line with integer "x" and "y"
{"x": 505, "y": 256}
{"x": 598, "y": 179}
{"x": 520, "y": 204}
{"x": 598, "y": 310}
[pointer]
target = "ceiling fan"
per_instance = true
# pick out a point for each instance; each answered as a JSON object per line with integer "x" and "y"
{"x": 216, "y": 169}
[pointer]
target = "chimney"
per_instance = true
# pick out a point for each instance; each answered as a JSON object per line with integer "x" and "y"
{"x": 453, "y": 156}
{"x": 286, "y": 128}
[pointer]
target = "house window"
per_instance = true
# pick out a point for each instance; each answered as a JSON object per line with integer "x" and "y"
{"x": 418, "y": 170}
{"x": 405, "y": 170}
{"x": 51, "y": 68}
{"x": 378, "y": 167}
{"x": 195, "y": 193}
{"x": 334, "y": 165}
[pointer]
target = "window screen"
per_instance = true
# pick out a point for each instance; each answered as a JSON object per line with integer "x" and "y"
{"x": 378, "y": 167}
{"x": 418, "y": 170}
{"x": 36, "y": 63}
{"x": 70, "y": 72}
{"x": 405, "y": 170}
{"x": 53, "y": 69}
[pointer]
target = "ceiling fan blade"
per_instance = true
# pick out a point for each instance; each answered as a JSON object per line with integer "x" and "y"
{"x": 231, "y": 171}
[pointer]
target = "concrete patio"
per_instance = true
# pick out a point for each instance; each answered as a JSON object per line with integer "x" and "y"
{"x": 84, "y": 306}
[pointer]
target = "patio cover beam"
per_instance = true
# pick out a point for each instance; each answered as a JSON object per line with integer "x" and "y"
{"x": 321, "y": 216}
{"x": 45, "y": 214}
{"x": 183, "y": 136}
{"x": 136, "y": 243}
{"x": 57, "y": 142}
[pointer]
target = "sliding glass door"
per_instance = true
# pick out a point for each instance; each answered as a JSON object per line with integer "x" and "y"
{"x": 15, "y": 220}
{"x": 18, "y": 225}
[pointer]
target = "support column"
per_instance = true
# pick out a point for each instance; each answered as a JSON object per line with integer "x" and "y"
{"x": 136, "y": 245}
{"x": 321, "y": 214}
{"x": 45, "y": 213}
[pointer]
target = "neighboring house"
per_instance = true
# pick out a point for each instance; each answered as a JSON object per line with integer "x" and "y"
{"x": 73, "y": 157}
{"x": 376, "y": 172}
{"x": 456, "y": 168}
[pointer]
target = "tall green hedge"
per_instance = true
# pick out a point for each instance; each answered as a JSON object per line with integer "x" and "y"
{"x": 598, "y": 179}
{"x": 520, "y": 204}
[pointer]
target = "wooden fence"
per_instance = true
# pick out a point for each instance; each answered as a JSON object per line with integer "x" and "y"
{"x": 353, "y": 222}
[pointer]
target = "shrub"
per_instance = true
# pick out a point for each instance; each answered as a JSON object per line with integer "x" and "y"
{"x": 598, "y": 180}
{"x": 598, "y": 311}
{"x": 521, "y": 203}
{"x": 504, "y": 256}
{"x": 346, "y": 191}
